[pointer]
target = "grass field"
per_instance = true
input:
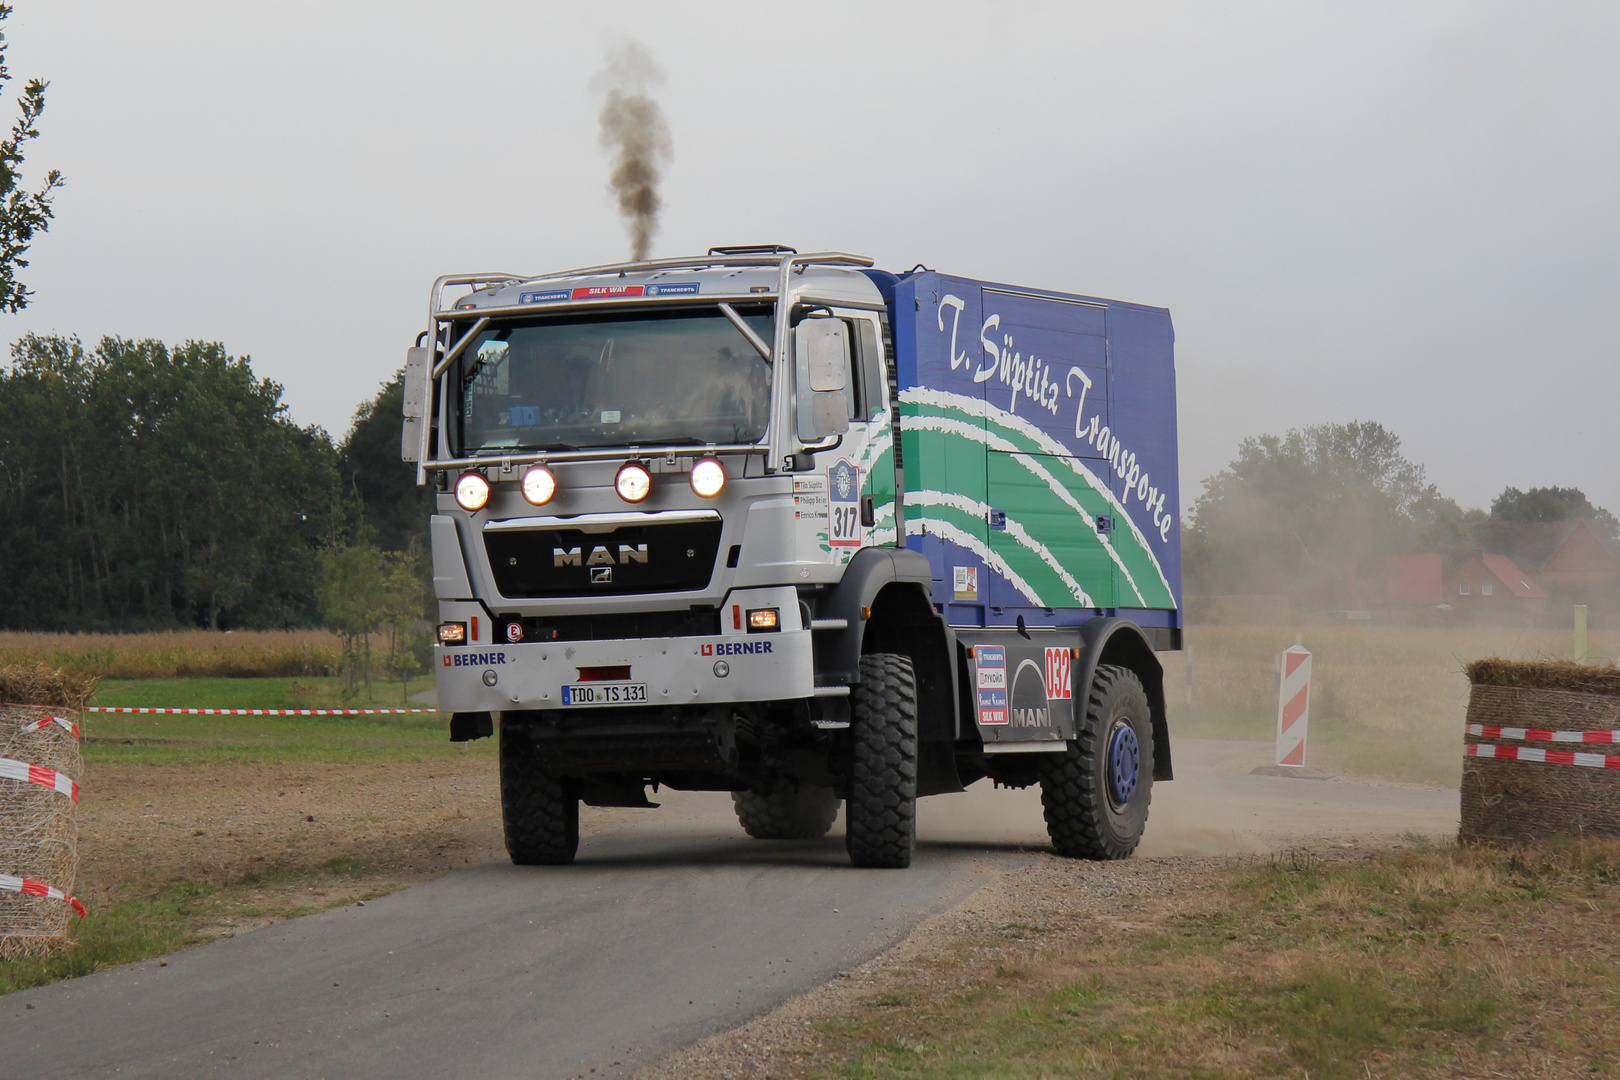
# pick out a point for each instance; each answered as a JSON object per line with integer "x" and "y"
{"x": 167, "y": 739}
{"x": 1439, "y": 961}
{"x": 181, "y": 654}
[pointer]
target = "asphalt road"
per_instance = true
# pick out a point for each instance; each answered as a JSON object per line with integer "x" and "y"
{"x": 660, "y": 934}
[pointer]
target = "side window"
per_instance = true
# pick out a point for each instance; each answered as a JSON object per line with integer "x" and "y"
{"x": 869, "y": 360}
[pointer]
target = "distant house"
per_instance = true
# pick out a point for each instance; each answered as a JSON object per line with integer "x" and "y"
{"x": 1566, "y": 559}
{"x": 1413, "y": 579}
{"x": 1492, "y": 583}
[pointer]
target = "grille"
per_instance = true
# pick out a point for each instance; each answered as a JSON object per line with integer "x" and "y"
{"x": 615, "y": 626}
{"x": 633, "y": 559}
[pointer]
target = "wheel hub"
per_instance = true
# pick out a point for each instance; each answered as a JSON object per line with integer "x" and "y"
{"x": 1124, "y": 763}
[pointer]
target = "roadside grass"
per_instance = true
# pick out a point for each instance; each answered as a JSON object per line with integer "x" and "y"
{"x": 182, "y": 914}
{"x": 1385, "y": 701}
{"x": 1433, "y": 961}
{"x": 167, "y": 739}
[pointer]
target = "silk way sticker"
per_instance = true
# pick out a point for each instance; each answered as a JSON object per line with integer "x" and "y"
{"x": 990, "y": 667}
{"x": 966, "y": 583}
{"x": 844, "y": 505}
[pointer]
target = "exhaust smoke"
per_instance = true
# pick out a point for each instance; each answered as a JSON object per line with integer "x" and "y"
{"x": 634, "y": 130}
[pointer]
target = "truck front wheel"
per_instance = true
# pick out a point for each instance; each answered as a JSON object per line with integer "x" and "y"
{"x": 1096, "y": 793}
{"x": 540, "y": 810}
{"x": 805, "y": 814}
{"x": 880, "y": 818}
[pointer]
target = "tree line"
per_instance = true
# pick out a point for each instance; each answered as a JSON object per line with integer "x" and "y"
{"x": 1319, "y": 513}
{"x": 144, "y": 487}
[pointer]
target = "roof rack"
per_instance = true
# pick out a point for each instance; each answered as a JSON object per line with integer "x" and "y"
{"x": 755, "y": 249}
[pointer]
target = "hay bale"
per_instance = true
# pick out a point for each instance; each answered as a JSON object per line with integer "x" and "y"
{"x": 1534, "y": 801}
{"x": 1545, "y": 675}
{"x": 39, "y": 828}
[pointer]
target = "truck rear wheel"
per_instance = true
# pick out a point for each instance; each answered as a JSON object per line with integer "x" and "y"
{"x": 805, "y": 814}
{"x": 1096, "y": 793}
{"x": 880, "y": 818}
{"x": 540, "y": 810}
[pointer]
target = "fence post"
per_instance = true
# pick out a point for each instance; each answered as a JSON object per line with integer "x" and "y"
{"x": 1580, "y": 633}
{"x": 1293, "y": 705}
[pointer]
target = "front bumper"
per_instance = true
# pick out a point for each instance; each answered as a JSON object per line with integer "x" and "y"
{"x": 676, "y": 671}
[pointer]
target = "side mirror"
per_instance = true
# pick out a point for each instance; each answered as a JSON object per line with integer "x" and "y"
{"x": 417, "y": 395}
{"x": 821, "y": 360}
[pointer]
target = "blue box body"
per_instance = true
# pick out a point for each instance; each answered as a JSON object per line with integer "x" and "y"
{"x": 1040, "y": 460}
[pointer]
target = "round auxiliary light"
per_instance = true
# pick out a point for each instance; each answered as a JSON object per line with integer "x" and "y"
{"x": 708, "y": 477}
{"x": 634, "y": 482}
{"x": 539, "y": 485}
{"x": 472, "y": 491}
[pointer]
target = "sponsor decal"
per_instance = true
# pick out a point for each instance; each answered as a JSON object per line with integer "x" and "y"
{"x": 965, "y": 582}
{"x": 606, "y": 292}
{"x": 990, "y": 664}
{"x": 1059, "y": 674}
{"x": 843, "y": 505}
{"x": 680, "y": 288}
{"x": 473, "y": 659}
{"x": 737, "y": 648}
{"x": 545, "y": 297}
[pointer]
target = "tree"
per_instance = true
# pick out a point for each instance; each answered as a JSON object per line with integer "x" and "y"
{"x": 143, "y": 486}
{"x": 353, "y": 596}
{"x": 409, "y": 598}
{"x": 22, "y": 213}
{"x": 390, "y": 502}
{"x": 1315, "y": 513}
{"x": 1554, "y": 504}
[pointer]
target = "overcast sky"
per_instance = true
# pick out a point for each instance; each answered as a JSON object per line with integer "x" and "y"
{"x": 1405, "y": 213}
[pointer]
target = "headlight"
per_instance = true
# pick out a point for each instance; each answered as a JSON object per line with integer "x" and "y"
{"x": 453, "y": 633}
{"x": 708, "y": 477}
{"x": 539, "y": 485}
{"x": 472, "y": 491}
{"x": 633, "y": 482}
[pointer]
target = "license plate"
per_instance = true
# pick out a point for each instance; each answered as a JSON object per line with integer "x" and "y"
{"x": 607, "y": 693}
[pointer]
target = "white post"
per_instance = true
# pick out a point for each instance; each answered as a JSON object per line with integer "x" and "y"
{"x": 1293, "y": 705}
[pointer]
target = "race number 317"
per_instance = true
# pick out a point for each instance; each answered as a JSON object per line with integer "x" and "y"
{"x": 844, "y": 505}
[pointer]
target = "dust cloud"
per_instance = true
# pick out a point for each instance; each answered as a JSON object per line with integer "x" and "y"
{"x": 635, "y": 132}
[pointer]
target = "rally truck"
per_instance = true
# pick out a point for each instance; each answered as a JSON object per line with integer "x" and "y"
{"x": 809, "y": 532}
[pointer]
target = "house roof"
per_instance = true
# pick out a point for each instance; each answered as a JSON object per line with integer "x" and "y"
{"x": 1517, "y": 582}
{"x": 1528, "y": 543}
{"x": 1416, "y": 580}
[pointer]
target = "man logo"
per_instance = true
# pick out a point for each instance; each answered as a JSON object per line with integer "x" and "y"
{"x": 601, "y": 575}
{"x": 599, "y": 556}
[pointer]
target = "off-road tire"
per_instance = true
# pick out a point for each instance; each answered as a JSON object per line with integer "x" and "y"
{"x": 880, "y": 818}
{"x": 1083, "y": 817}
{"x": 540, "y": 810}
{"x": 805, "y": 814}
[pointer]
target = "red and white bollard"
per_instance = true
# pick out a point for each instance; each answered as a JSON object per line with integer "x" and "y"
{"x": 1293, "y": 706}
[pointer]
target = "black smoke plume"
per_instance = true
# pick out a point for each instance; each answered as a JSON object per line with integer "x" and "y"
{"x": 634, "y": 130}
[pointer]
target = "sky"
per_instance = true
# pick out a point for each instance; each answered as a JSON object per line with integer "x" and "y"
{"x": 1397, "y": 212}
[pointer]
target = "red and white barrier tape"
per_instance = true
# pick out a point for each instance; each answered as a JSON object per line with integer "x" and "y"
{"x": 1543, "y": 735}
{"x": 66, "y": 725}
{"x": 11, "y": 769}
{"x": 30, "y": 887}
{"x": 1535, "y": 753}
{"x": 256, "y": 712}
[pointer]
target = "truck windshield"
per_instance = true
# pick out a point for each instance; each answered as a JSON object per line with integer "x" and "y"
{"x": 648, "y": 378}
